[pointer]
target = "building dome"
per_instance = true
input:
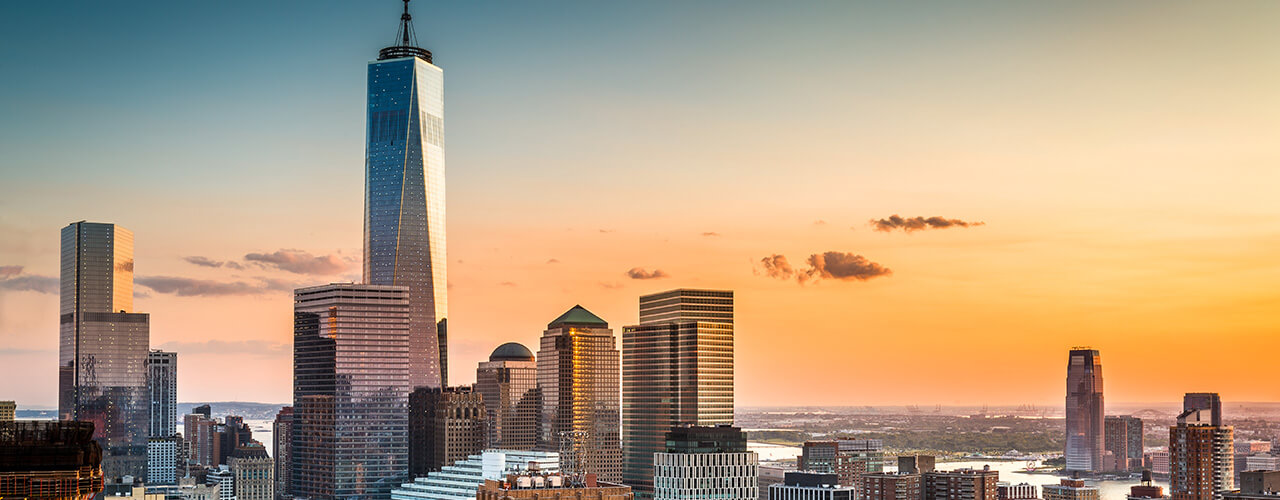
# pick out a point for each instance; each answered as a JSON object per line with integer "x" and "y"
{"x": 511, "y": 351}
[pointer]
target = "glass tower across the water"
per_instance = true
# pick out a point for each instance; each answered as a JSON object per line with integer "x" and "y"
{"x": 102, "y": 351}
{"x": 404, "y": 236}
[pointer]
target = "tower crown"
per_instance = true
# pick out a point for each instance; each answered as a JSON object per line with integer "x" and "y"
{"x": 406, "y": 39}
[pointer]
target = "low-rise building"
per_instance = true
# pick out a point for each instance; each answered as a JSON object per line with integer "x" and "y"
{"x": 890, "y": 486}
{"x": 536, "y": 485}
{"x": 805, "y": 485}
{"x": 1070, "y": 489}
{"x": 1020, "y": 491}
{"x": 961, "y": 484}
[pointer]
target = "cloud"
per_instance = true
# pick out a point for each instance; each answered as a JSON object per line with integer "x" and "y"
{"x": 776, "y": 266}
{"x": 843, "y": 266}
{"x": 638, "y": 273}
{"x": 819, "y": 222}
{"x": 711, "y": 233}
{"x": 203, "y": 261}
{"x": 241, "y": 347}
{"x": 17, "y": 351}
{"x": 189, "y": 287}
{"x": 910, "y": 224}
{"x": 606, "y": 230}
{"x": 553, "y": 261}
{"x": 12, "y": 279}
{"x": 610, "y": 286}
{"x": 507, "y": 283}
{"x": 300, "y": 262}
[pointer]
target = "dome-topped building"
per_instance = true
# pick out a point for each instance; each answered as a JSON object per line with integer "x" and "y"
{"x": 511, "y": 351}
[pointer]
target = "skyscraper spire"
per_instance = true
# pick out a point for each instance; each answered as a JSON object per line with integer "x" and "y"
{"x": 406, "y": 39}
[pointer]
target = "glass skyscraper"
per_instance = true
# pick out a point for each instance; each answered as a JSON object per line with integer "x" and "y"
{"x": 1085, "y": 424}
{"x": 677, "y": 369}
{"x": 404, "y": 226}
{"x": 102, "y": 352}
{"x": 350, "y": 393}
{"x": 578, "y": 378}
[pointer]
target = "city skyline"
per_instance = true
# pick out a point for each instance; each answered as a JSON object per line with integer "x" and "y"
{"x": 1076, "y": 249}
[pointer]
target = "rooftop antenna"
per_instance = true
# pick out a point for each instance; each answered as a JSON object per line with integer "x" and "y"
{"x": 407, "y": 40}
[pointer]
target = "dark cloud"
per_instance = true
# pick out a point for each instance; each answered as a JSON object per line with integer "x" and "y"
{"x": 189, "y": 287}
{"x": 910, "y": 224}
{"x": 239, "y": 347}
{"x": 638, "y": 273}
{"x": 203, "y": 261}
{"x": 711, "y": 233}
{"x": 300, "y": 262}
{"x": 12, "y": 279}
{"x": 828, "y": 265}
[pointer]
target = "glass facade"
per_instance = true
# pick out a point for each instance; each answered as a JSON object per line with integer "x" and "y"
{"x": 404, "y": 230}
{"x": 103, "y": 345}
{"x": 1085, "y": 425}
{"x": 578, "y": 376}
{"x": 162, "y": 387}
{"x": 677, "y": 368}
{"x": 510, "y": 388}
{"x": 351, "y": 387}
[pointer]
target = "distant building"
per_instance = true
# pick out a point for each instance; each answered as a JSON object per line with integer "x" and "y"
{"x": 460, "y": 480}
{"x": 1207, "y": 401}
{"x": 1260, "y": 463}
{"x": 919, "y": 464}
{"x": 1157, "y": 462}
{"x": 677, "y": 368}
{"x": 56, "y": 460}
{"x": 508, "y": 381}
{"x": 8, "y": 411}
{"x": 535, "y": 485}
{"x": 162, "y": 459}
{"x": 1253, "y": 446}
{"x": 200, "y": 435}
{"x": 1200, "y": 457}
{"x": 1124, "y": 441}
{"x": 445, "y": 425}
{"x": 966, "y": 484}
{"x": 351, "y": 381}
{"x": 281, "y": 450}
{"x": 102, "y": 357}
{"x": 1020, "y": 491}
{"x": 253, "y": 473}
{"x": 706, "y": 462}
{"x": 1085, "y": 439}
{"x": 578, "y": 377}
{"x": 162, "y": 385}
{"x": 847, "y": 458}
{"x": 1070, "y": 489}
{"x": 890, "y": 486}
{"x": 804, "y": 485}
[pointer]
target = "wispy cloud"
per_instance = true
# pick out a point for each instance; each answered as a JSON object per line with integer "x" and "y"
{"x": 711, "y": 233}
{"x": 12, "y": 279}
{"x": 911, "y": 224}
{"x": 507, "y": 283}
{"x": 606, "y": 230}
{"x": 819, "y": 222}
{"x": 610, "y": 286}
{"x": 191, "y": 287}
{"x": 300, "y": 262}
{"x": 638, "y": 273}
{"x": 553, "y": 261}
{"x": 843, "y": 266}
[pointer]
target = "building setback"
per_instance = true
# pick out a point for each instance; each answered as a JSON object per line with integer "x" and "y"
{"x": 508, "y": 381}
{"x": 1200, "y": 457}
{"x": 445, "y": 426}
{"x": 578, "y": 379}
{"x": 677, "y": 368}
{"x": 1085, "y": 439}
{"x": 350, "y": 395}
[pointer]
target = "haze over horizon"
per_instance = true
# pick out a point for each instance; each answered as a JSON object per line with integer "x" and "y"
{"x": 1061, "y": 175}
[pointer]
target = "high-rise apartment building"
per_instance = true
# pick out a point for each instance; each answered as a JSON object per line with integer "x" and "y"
{"x": 282, "y": 451}
{"x": 890, "y": 486}
{"x": 103, "y": 345}
{"x": 509, "y": 384}
{"x": 1124, "y": 441}
{"x": 253, "y": 473}
{"x": 1070, "y": 489}
{"x": 162, "y": 459}
{"x": 1201, "y": 464}
{"x": 962, "y": 484}
{"x": 677, "y": 368}
{"x": 1208, "y": 401}
{"x": 404, "y": 209}
{"x": 201, "y": 437}
{"x": 350, "y": 393}
{"x": 706, "y": 462}
{"x": 578, "y": 379}
{"x": 1085, "y": 440}
{"x": 162, "y": 385}
{"x": 445, "y": 425}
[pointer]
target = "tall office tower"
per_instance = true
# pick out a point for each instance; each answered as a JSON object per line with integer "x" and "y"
{"x": 578, "y": 379}
{"x": 706, "y": 462}
{"x": 252, "y": 470}
{"x": 162, "y": 459}
{"x": 509, "y": 384}
{"x": 282, "y": 450}
{"x": 350, "y": 392}
{"x": 162, "y": 385}
{"x": 1085, "y": 434}
{"x": 49, "y": 460}
{"x": 967, "y": 484}
{"x": 1124, "y": 441}
{"x": 102, "y": 355}
{"x": 445, "y": 425}
{"x": 1070, "y": 489}
{"x": 677, "y": 368}
{"x": 1200, "y": 457}
{"x": 199, "y": 432}
{"x": 805, "y": 485}
{"x": 1208, "y": 401}
{"x": 404, "y": 237}
{"x": 8, "y": 411}
{"x": 890, "y": 486}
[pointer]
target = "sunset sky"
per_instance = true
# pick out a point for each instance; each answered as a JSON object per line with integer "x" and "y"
{"x": 1123, "y": 161}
